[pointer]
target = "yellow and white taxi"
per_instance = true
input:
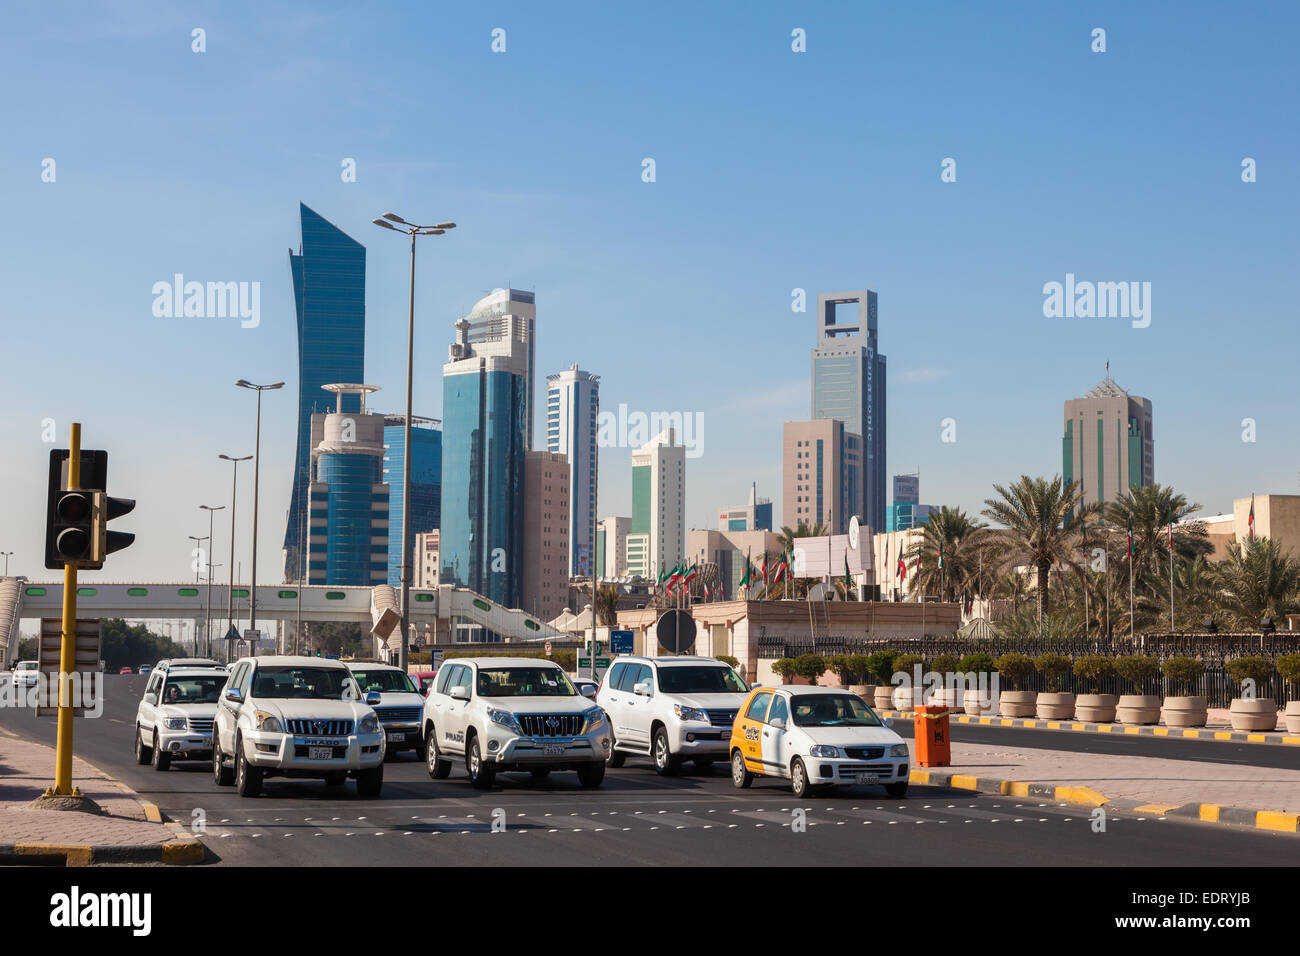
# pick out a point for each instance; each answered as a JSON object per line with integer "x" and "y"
{"x": 815, "y": 737}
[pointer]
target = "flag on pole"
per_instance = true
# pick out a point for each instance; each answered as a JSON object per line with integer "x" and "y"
{"x": 902, "y": 568}
{"x": 940, "y": 554}
{"x": 1169, "y": 516}
{"x": 1250, "y": 520}
{"x": 848, "y": 578}
{"x": 749, "y": 570}
{"x": 764, "y": 570}
{"x": 1130, "y": 538}
{"x": 689, "y": 576}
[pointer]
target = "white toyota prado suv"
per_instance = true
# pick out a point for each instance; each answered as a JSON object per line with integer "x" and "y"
{"x": 174, "y": 718}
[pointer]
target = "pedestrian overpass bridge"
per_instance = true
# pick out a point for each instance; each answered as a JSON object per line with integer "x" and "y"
{"x": 458, "y": 613}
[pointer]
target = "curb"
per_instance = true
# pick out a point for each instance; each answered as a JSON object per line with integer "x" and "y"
{"x": 1273, "y": 820}
{"x": 1118, "y": 730}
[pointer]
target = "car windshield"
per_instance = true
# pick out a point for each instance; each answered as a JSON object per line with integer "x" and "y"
{"x": 200, "y": 689}
{"x": 27, "y": 665}
{"x": 524, "y": 682}
{"x": 323, "y": 683}
{"x": 384, "y": 681}
{"x": 833, "y": 710}
{"x": 707, "y": 679}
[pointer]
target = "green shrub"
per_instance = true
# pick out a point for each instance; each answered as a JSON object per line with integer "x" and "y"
{"x": 784, "y": 668}
{"x": 860, "y": 665}
{"x": 881, "y": 665}
{"x": 944, "y": 664}
{"x": 1183, "y": 673}
{"x": 977, "y": 663}
{"x": 1053, "y": 667}
{"x": 1094, "y": 668}
{"x": 729, "y": 660}
{"x": 1014, "y": 668}
{"x": 1288, "y": 665}
{"x": 905, "y": 663}
{"x": 810, "y": 666}
{"x": 1241, "y": 669}
{"x": 1137, "y": 669}
{"x": 839, "y": 664}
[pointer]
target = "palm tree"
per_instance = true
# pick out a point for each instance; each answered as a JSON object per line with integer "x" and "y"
{"x": 1257, "y": 580}
{"x": 956, "y": 536}
{"x": 607, "y": 605}
{"x": 787, "y": 540}
{"x": 1148, "y": 510}
{"x": 1044, "y": 518}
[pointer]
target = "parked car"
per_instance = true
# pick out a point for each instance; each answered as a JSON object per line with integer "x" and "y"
{"x": 288, "y": 716}
{"x": 173, "y": 720}
{"x": 26, "y": 673}
{"x": 816, "y": 737}
{"x": 506, "y": 714}
{"x": 672, "y": 709}
{"x": 400, "y": 705}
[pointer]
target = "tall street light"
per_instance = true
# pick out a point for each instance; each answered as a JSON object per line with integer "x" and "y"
{"x": 412, "y": 230}
{"x": 230, "y": 592}
{"x": 257, "y": 461}
{"x": 207, "y": 618}
{"x": 6, "y": 556}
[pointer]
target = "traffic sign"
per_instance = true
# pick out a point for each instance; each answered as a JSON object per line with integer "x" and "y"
{"x": 548, "y": 648}
{"x": 675, "y": 631}
{"x": 620, "y": 642}
{"x": 602, "y": 663}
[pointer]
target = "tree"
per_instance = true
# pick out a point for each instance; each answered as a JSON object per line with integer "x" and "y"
{"x": 958, "y": 537}
{"x": 1044, "y": 518}
{"x": 607, "y": 605}
{"x": 125, "y": 645}
{"x": 1258, "y": 579}
{"x": 1148, "y": 510}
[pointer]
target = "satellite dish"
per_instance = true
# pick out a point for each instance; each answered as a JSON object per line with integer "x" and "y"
{"x": 853, "y": 532}
{"x": 675, "y": 631}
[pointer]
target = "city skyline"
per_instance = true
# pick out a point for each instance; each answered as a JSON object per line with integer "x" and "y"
{"x": 1001, "y": 374}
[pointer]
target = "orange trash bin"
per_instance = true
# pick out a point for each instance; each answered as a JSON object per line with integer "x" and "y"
{"x": 930, "y": 735}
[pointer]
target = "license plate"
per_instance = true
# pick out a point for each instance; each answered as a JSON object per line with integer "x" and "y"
{"x": 320, "y": 753}
{"x": 397, "y": 736}
{"x": 868, "y": 778}
{"x": 552, "y": 750}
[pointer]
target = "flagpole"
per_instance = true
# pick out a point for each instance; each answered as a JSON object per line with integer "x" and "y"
{"x": 1130, "y": 592}
{"x": 1171, "y": 573}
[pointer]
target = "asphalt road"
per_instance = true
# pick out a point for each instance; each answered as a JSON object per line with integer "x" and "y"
{"x": 635, "y": 818}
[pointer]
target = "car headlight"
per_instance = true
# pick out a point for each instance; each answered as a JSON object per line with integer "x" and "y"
{"x": 175, "y": 723}
{"x": 690, "y": 713}
{"x": 369, "y": 725}
{"x": 268, "y": 723}
{"x": 592, "y": 719}
{"x": 505, "y": 719}
{"x": 898, "y": 750}
{"x": 822, "y": 750}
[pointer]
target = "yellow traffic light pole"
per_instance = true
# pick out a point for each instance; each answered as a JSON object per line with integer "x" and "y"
{"x": 68, "y": 651}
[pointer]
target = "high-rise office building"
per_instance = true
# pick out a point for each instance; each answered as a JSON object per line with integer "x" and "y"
{"x": 348, "y": 543}
{"x": 426, "y": 560}
{"x": 821, "y": 472}
{"x": 756, "y": 515}
{"x": 545, "y": 587}
{"x": 511, "y": 312}
{"x": 656, "y": 539}
{"x": 485, "y": 414}
{"x": 1108, "y": 447}
{"x": 611, "y": 546}
{"x": 572, "y": 400}
{"x": 329, "y": 292}
{"x": 848, "y": 384}
{"x": 426, "y": 485}
{"x": 906, "y": 510}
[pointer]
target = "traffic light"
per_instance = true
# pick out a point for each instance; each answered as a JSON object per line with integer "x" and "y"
{"x": 105, "y": 542}
{"x": 69, "y": 528}
{"x": 76, "y": 521}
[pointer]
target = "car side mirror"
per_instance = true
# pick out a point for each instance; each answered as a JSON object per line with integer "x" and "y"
{"x": 642, "y": 690}
{"x": 151, "y": 698}
{"x": 234, "y": 695}
{"x": 460, "y": 693}
{"x": 589, "y": 691}
{"x": 755, "y": 684}
{"x": 372, "y": 698}
{"x": 778, "y": 723}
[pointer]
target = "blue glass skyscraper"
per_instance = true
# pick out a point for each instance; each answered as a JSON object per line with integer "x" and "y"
{"x": 329, "y": 291}
{"x": 426, "y": 485}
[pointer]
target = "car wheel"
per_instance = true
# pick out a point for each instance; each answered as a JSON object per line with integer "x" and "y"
{"x": 667, "y": 764}
{"x": 222, "y": 775}
{"x": 336, "y": 779}
{"x": 370, "y": 783}
{"x": 161, "y": 759}
{"x": 896, "y": 789}
{"x": 704, "y": 766}
{"x": 799, "y": 779}
{"x": 438, "y": 768}
{"x": 142, "y": 754}
{"x": 248, "y": 779}
{"x": 741, "y": 778}
{"x": 540, "y": 773}
{"x": 481, "y": 775}
{"x": 591, "y": 774}
{"x": 421, "y": 751}
{"x": 615, "y": 758}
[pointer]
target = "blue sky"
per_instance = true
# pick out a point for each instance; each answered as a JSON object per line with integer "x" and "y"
{"x": 775, "y": 171}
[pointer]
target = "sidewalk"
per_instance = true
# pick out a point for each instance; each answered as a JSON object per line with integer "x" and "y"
{"x": 129, "y": 830}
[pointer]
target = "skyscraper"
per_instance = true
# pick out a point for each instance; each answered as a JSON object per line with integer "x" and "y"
{"x": 426, "y": 485}
{"x": 516, "y": 310}
{"x": 821, "y": 474}
{"x": 1108, "y": 447}
{"x": 572, "y": 397}
{"x": 329, "y": 292}
{"x": 485, "y": 413}
{"x": 848, "y": 384}
{"x": 544, "y": 589}
{"x": 657, "y": 537}
{"x": 906, "y": 511}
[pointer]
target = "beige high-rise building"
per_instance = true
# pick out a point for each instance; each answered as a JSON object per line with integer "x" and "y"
{"x": 545, "y": 584}
{"x": 426, "y": 560}
{"x": 821, "y": 470}
{"x": 611, "y": 546}
{"x": 656, "y": 539}
{"x": 1108, "y": 447}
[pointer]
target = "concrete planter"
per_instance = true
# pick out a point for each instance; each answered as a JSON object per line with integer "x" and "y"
{"x": 950, "y": 697}
{"x": 1292, "y": 716}
{"x": 902, "y": 698}
{"x": 1138, "y": 709}
{"x": 1185, "y": 711}
{"x": 1016, "y": 703}
{"x": 974, "y": 705}
{"x": 1253, "y": 714}
{"x": 884, "y": 697}
{"x": 1055, "y": 706}
{"x": 1096, "y": 708}
{"x": 865, "y": 691}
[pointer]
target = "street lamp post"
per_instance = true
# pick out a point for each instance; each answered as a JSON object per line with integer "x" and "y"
{"x": 230, "y": 592}
{"x": 207, "y": 618}
{"x": 6, "y": 556}
{"x": 257, "y": 461}
{"x": 411, "y": 230}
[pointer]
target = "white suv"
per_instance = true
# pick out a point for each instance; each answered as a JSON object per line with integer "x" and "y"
{"x": 175, "y": 715}
{"x": 26, "y": 673}
{"x": 296, "y": 717}
{"x": 400, "y": 705}
{"x": 512, "y": 714}
{"x": 672, "y": 709}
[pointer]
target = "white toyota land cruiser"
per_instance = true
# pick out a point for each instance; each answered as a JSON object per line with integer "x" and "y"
{"x": 296, "y": 717}
{"x": 512, "y": 714}
{"x": 400, "y": 705}
{"x": 174, "y": 718}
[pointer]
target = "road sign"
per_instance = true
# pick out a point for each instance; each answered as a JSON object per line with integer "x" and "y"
{"x": 602, "y": 663}
{"x": 584, "y": 662}
{"x": 436, "y": 658}
{"x": 620, "y": 642}
{"x": 675, "y": 631}
{"x": 548, "y": 648}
